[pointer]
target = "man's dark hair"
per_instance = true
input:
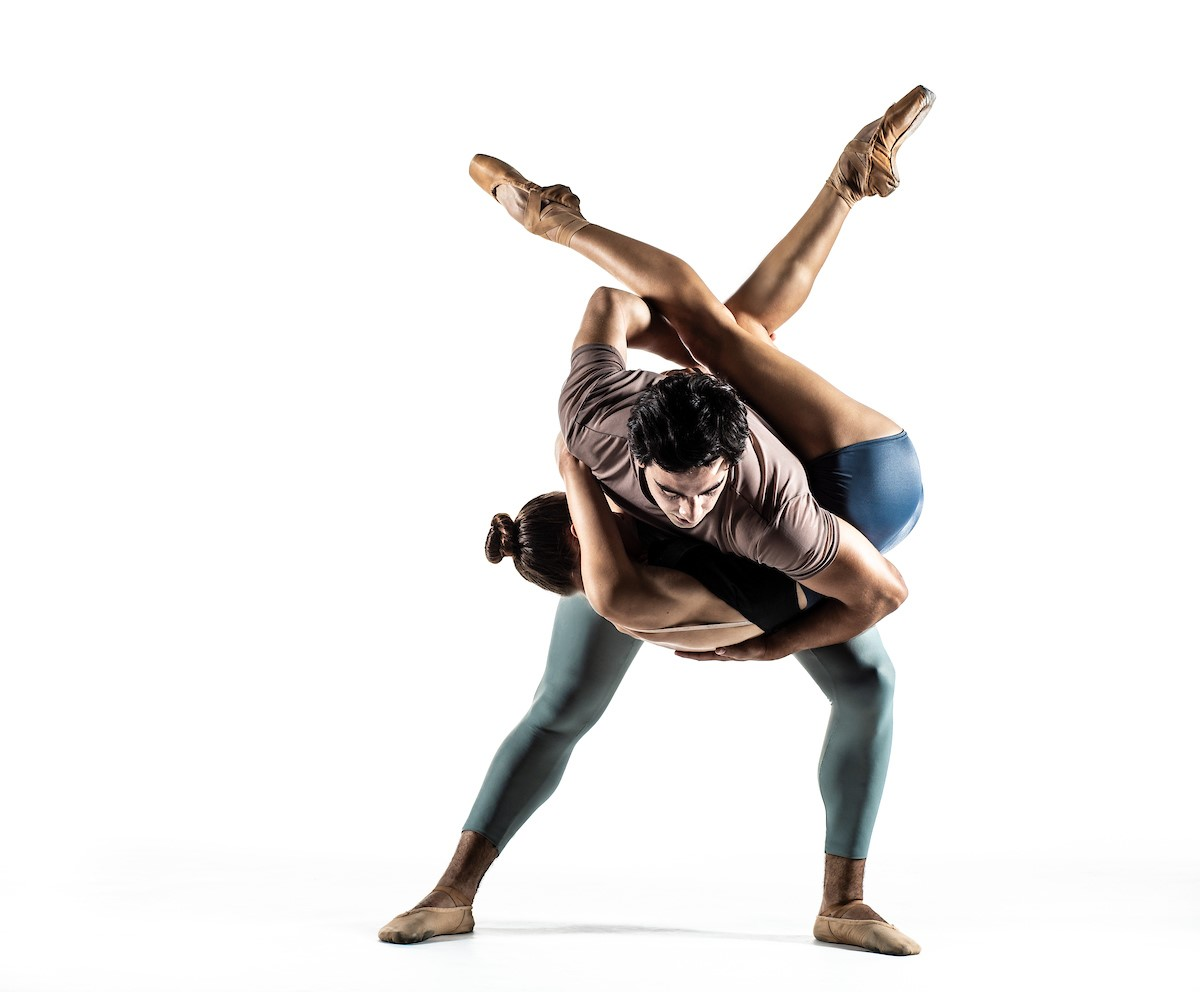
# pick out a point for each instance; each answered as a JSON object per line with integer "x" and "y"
{"x": 687, "y": 419}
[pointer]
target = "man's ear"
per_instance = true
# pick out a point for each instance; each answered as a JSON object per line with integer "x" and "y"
{"x": 574, "y": 532}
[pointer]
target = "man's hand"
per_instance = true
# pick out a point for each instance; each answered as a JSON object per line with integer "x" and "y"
{"x": 761, "y": 648}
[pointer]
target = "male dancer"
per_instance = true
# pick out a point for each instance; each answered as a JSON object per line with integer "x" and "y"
{"x": 834, "y": 641}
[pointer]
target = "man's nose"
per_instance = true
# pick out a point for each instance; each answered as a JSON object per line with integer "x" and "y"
{"x": 687, "y": 509}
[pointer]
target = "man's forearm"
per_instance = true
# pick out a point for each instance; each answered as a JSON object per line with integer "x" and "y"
{"x": 860, "y": 587}
{"x": 827, "y": 622}
{"x": 830, "y": 621}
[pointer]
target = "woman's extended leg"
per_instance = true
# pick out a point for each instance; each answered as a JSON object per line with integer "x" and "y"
{"x": 780, "y": 284}
{"x": 811, "y": 416}
{"x": 783, "y": 280}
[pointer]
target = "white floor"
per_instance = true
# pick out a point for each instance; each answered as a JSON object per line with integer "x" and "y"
{"x": 208, "y": 921}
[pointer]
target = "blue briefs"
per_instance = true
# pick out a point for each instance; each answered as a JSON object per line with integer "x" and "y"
{"x": 876, "y": 485}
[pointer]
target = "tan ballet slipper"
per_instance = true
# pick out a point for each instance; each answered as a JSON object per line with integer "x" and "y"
{"x": 873, "y": 935}
{"x": 430, "y": 921}
{"x": 867, "y": 166}
{"x": 552, "y": 212}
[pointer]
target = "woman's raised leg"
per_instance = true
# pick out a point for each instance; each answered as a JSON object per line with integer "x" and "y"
{"x": 783, "y": 280}
{"x": 810, "y": 415}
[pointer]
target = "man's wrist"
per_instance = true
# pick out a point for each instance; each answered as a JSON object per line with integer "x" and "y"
{"x": 567, "y": 462}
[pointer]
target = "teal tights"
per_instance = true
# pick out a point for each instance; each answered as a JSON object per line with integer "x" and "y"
{"x": 587, "y": 660}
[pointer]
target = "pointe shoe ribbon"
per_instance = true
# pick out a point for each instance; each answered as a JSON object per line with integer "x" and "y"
{"x": 551, "y": 212}
{"x": 873, "y": 935}
{"x": 430, "y": 921}
{"x": 867, "y": 166}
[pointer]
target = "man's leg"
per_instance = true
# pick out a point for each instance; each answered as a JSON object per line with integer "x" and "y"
{"x": 588, "y": 658}
{"x": 857, "y": 678}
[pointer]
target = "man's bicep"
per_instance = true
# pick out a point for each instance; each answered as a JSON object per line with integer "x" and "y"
{"x": 858, "y": 575}
{"x": 801, "y": 540}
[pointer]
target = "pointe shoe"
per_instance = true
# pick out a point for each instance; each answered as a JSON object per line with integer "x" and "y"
{"x": 867, "y": 166}
{"x": 551, "y": 212}
{"x": 431, "y": 921}
{"x": 873, "y": 935}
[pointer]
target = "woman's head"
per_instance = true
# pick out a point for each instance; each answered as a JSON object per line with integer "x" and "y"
{"x": 540, "y": 543}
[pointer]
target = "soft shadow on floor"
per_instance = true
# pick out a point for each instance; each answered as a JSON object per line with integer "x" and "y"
{"x": 538, "y": 929}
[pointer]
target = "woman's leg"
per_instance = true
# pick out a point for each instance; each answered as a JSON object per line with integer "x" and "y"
{"x": 810, "y": 415}
{"x": 780, "y": 284}
{"x": 587, "y": 659}
{"x": 783, "y": 280}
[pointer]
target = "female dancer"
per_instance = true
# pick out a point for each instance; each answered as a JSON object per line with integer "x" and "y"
{"x": 588, "y": 657}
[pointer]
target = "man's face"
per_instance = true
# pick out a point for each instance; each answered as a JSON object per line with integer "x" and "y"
{"x": 687, "y": 497}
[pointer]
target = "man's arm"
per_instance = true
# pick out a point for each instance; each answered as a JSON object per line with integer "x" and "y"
{"x": 862, "y": 588}
{"x": 604, "y": 565}
{"x": 619, "y": 589}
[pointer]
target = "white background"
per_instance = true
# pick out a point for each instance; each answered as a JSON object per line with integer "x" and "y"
{"x": 271, "y": 362}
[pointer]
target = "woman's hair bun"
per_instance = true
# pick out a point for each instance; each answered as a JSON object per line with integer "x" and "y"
{"x": 501, "y": 539}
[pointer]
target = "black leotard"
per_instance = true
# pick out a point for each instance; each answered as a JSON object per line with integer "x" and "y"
{"x": 762, "y": 595}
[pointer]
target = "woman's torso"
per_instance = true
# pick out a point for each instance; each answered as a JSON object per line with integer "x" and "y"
{"x": 724, "y": 599}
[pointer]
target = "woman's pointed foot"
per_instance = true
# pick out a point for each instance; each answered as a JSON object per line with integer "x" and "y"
{"x": 551, "y": 212}
{"x": 867, "y": 166}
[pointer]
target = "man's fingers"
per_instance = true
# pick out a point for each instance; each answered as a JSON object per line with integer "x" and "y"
{"x": 755, "y": 649}
{"x": 721, "y": 654}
